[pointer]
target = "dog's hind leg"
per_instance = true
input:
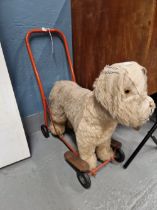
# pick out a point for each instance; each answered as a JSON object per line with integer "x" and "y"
{"x": 57, "y": 126}
{"x": 57, "y": 129}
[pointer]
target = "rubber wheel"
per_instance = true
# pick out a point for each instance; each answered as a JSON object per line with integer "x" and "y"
{"x": 45, "y": 131}
{"x": 119, "y": 156}
{"x": 84, "y": 179}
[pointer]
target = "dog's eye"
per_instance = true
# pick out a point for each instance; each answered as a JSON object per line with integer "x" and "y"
{"x": 127, "y": 91}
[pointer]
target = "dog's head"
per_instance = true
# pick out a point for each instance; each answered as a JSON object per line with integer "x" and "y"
{"x": 122, "y": 90}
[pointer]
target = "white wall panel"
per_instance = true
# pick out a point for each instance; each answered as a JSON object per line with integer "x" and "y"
{"x": 13, "y": 143}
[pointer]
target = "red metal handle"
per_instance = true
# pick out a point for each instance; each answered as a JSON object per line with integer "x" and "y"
{"x": 43, "y": 97}
{"x": 63, "y": 38}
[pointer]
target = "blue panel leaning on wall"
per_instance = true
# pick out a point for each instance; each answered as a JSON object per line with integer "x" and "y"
{"x": 16, "y": 18}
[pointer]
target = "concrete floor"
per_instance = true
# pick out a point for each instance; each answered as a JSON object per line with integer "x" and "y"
{"x": 46, "y": 181}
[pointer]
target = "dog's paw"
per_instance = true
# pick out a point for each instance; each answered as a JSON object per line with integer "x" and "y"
{"x": 104, "y": 154}
{"x": 92, "y": 161}
{"x": 57, "y": 129}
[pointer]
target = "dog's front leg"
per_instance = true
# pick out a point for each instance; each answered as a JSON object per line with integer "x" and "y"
{"x": 104, "y": 151}
{"x": 87, "y": 153}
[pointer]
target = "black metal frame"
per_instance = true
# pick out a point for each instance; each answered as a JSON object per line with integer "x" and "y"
{"x": 149, "y": 134}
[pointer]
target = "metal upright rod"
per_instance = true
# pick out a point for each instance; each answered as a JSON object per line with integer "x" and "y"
{"x": 149, "y": 134}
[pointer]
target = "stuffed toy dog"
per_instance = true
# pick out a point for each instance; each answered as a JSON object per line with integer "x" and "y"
{"x": 119, "y": 96}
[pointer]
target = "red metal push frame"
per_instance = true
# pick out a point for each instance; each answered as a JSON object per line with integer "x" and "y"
{"x": 47, "y": 111}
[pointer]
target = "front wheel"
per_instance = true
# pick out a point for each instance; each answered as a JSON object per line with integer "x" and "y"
{"x": 84, "y": 179}
{"x": 119, "y": 155}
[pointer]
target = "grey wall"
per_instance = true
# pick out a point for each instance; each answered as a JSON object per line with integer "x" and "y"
{"x": 16, "y": 18}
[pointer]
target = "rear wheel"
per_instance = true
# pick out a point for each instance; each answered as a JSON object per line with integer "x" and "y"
{"x": 45, "y": 131}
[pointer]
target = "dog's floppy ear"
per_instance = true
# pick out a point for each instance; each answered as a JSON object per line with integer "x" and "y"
{"x": 105, "y": 86}
{"x": 106, "y": 78}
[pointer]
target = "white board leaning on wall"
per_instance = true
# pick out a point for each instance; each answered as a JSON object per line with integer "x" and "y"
{"x": 13, "y": 143}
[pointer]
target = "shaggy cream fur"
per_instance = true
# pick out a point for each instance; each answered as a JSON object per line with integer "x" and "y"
{"x": 119, "y": 96}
